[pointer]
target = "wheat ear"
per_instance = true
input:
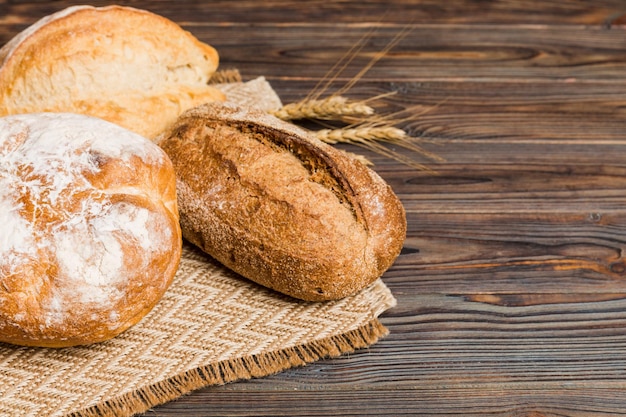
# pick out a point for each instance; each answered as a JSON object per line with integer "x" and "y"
{"x": 373, "y": 137}
{"x": 225, "y": 76}
{"x": 363, "y": 127}
{"x": 329, "y": 108}
{"x": 361, "y": 134}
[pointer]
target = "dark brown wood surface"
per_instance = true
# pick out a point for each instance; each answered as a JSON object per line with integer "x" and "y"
{"x": 511, "y": 287}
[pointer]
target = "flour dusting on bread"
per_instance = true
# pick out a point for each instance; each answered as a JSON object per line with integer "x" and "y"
{"x": 86, "y": 228}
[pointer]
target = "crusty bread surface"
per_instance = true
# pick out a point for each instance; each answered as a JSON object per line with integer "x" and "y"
{"x": 278, "y": 206}
{"x": 89, "y": 231}
{"x": 125, "y": 65}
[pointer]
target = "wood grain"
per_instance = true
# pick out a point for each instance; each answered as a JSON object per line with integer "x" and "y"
{"x": 511, "y": 286}
{"x": 601, "y": 12}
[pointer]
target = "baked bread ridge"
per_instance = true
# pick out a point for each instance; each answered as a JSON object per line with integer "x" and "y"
{"x": 280, "y": 207}
{"x": 71, "y": 61}
{"x": 89, "y": 231}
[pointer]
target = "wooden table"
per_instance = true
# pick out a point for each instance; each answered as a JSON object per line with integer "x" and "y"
{"x": 511, "y": 287}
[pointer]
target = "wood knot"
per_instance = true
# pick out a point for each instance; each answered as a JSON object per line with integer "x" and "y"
{"x": 618, "y": 267}
{"x": 595, "y": 217}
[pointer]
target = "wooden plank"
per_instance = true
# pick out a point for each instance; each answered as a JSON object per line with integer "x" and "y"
{"x": 395, "y": 12}
{"x": 425, "y": 53}
{"x": 514, "y": 187}
{"x": 480, "y": 401}
{"x": 440, "y": 402}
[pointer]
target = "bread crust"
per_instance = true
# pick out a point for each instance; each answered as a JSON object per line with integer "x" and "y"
{"x": 125, "y": 65}
{"x": 89, "y": 231}
{"x": 280, "y": 207}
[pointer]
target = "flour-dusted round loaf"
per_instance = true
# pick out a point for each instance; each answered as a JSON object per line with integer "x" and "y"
{"x": 89, "y": 231}
{"x": 125, "y": 65}
{"x": 280, "y": 207}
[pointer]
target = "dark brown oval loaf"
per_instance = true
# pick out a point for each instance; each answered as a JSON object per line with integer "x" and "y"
{"x": 280, "y": 207}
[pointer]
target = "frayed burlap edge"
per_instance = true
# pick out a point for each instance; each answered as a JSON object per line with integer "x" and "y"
{"x": 232, "y": 370}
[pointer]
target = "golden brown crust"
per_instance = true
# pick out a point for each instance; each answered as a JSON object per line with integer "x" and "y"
{"x": 89, "y": 231}
{"x": 280, "y": 207}
{"x": 125, "y": 65}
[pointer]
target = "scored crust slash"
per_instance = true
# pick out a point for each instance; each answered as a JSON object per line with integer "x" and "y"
{"x": 280, "y": 207}
{"x": 260, "y": 195}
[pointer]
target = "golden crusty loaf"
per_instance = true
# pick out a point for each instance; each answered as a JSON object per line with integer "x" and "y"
{"x": 280, "y": 207}
{"x": 125, "y": 65}
{"x": 89, "y": 232}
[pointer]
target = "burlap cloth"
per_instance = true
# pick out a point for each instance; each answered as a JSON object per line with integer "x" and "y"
{"x": 211, "y": 327}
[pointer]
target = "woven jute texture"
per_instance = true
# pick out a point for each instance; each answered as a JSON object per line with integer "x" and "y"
{"x": 211, "y": 327}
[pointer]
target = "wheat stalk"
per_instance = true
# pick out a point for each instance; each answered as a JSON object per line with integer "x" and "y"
{"x": 364, "y": 127}
{"x": 343, "y": 63}
{"x": 372, "y": 137}
{"x": 329, "y": 108}
{"x": 225, "y": 76}
{"x": 367, "y": 129}
{"x": 361, "y": 158}
{"x": 361, "y": 134}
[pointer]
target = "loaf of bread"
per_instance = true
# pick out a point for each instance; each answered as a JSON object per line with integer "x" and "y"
{"x": 89, "y": 231}
{"x": 279, "y": 207}
{"x": 128, "y": 66}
